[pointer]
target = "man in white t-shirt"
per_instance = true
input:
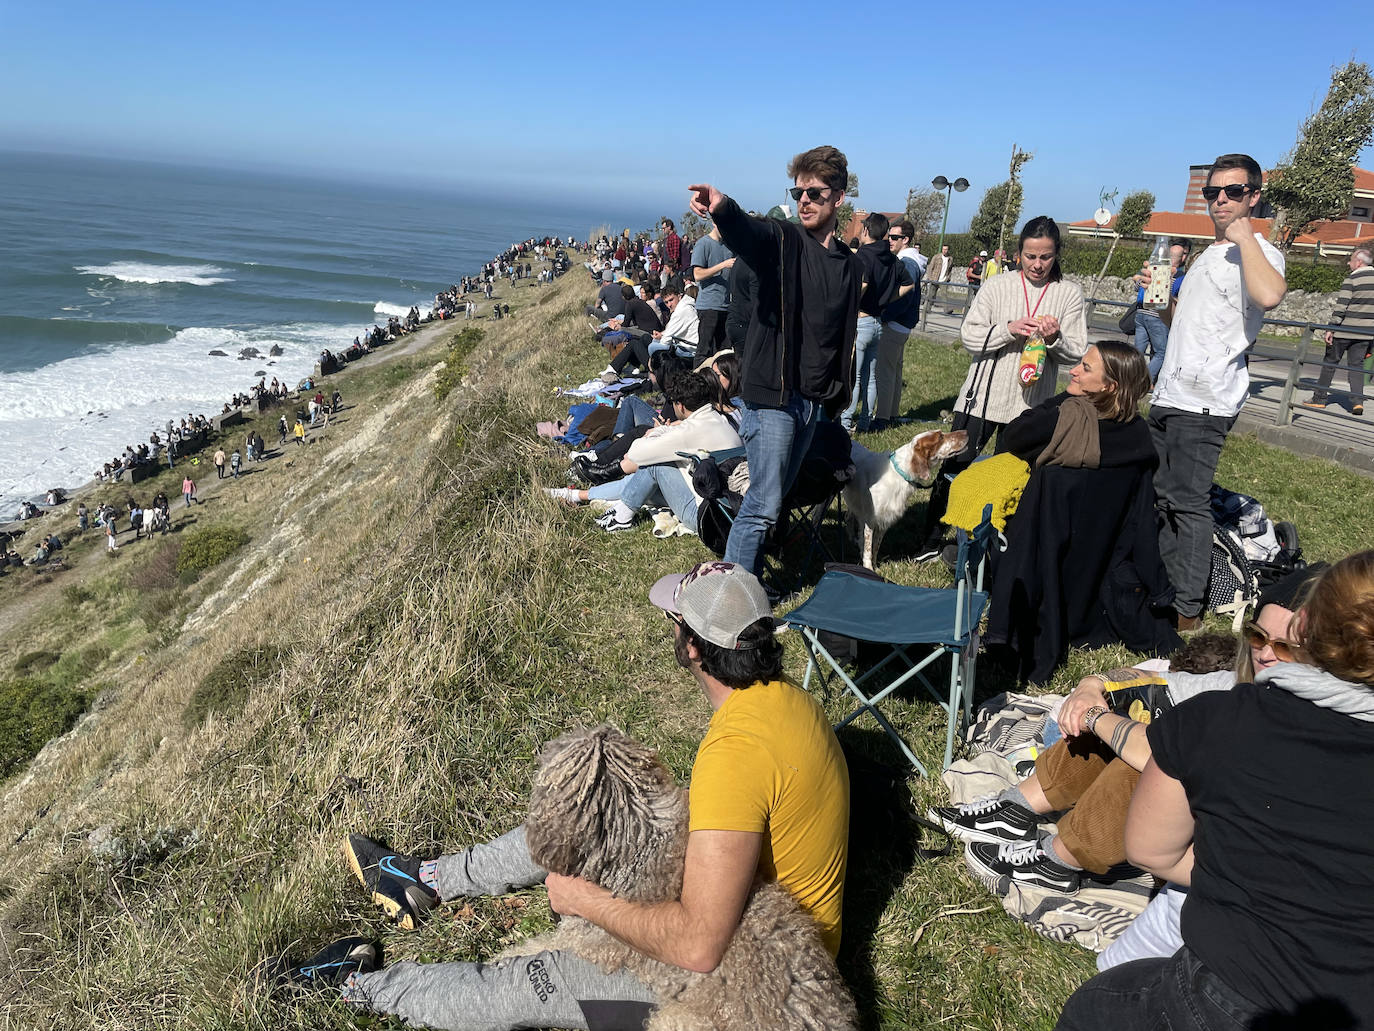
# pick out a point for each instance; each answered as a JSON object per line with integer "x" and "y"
{"x": 1205, "y": 378}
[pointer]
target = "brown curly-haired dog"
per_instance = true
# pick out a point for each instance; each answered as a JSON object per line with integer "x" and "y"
{"x": 605, "y": 808}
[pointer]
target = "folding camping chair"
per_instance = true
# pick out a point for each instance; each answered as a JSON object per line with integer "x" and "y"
{"x": 904, "y": 618}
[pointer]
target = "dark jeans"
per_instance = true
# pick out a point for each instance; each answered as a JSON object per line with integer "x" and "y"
{"x": 1189, "y": 446}
{"x": 979, "y": 433}
{"x": 1175, "y": 994}
{"x": 636, "y": 349}
{"x": 710, "y": 332}
{"x": 1350, "y": 353}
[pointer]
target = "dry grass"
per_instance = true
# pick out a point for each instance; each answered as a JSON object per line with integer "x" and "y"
{"x": 419, "y": 621}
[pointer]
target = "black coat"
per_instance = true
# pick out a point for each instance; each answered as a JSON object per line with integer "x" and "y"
{"x": 1082, "y": 563}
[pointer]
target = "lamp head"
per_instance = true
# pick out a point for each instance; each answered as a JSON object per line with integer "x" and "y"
{"x": 940, "y": 182}
{"x": 960, "y": 185}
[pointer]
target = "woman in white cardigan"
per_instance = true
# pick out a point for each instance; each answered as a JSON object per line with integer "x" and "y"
{"x": 1006, "y": 312}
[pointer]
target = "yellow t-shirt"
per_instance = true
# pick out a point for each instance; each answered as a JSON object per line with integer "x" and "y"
{"x": 770, "y": 764}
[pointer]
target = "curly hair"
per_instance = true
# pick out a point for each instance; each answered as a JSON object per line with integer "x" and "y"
{"x": 1337, "y": 619}
{"x": 1211, "y": 652}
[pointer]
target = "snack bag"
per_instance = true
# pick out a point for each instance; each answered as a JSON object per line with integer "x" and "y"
{"x": 1032, "y": 360}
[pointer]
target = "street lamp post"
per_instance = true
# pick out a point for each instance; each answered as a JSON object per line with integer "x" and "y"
{"x": 941, "y": 183}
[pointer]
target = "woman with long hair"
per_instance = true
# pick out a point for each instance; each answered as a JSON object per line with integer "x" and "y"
{"x": 1008, "y": 312}
{"x": 1257, "y": 797}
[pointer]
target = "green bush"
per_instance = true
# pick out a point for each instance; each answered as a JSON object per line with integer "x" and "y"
{"x": 1084, "y": 257}
{"x": 1317, "y": 279}
{"x": 207, "y": 548}
{"x": 225, "y": 688}
{"x": 31, "y": 714}
{"x": 455, "y": 361}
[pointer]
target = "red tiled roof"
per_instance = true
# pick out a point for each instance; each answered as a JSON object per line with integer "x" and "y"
{"x": 1364, "y": 180}
{"x": 1341, "y": 233}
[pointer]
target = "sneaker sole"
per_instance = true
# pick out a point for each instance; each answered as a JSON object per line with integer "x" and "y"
{"x": 1033, "y": 880}
{"x": 971, "y": 833}
{"x": 995, "y": 882}
{"x": 401, "y": 916}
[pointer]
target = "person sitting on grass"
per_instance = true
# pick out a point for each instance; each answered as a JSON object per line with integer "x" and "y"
{"x": 1093, "y": 770}
{"x": 769, "y": 800}
{"x": 1257, "y": 799}
{"x": 655, "y": 471}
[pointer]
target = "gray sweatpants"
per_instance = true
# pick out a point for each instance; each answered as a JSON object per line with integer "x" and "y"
{"x": 551, "y": 989}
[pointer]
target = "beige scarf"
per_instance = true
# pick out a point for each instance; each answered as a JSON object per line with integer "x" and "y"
{"x": 1075, "y": 443}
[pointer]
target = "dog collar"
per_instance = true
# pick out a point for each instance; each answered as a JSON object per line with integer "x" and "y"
{"x": 892, "y": 460}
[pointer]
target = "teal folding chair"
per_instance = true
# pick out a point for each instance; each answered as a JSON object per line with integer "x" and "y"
{"x": 904, "y": 618}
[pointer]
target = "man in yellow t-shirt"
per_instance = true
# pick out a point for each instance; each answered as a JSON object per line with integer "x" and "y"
{"x": 769, "y": 798}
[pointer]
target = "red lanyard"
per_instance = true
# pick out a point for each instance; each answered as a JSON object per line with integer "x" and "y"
{"x": 1030, "y": 312}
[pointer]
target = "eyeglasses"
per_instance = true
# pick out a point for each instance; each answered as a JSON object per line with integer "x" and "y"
{"x": 896, "y": 236}
{"x": 1259, "y": 639}
{"x": 815, "y": 194}
{"x": 1235, "y": 191}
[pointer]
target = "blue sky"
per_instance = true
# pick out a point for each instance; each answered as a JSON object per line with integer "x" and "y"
{"x": 544, "y": 99}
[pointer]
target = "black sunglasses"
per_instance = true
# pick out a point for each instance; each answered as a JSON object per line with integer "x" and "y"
{"x": 813, "y": 193}
{"x": 1235, "y": 191}
{"x": 896, "y": 236}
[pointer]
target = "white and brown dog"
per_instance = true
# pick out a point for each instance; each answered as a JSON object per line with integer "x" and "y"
{"x": 883, "y": 483}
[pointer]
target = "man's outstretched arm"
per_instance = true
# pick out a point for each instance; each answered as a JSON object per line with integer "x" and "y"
{"x": 691, "y": 933}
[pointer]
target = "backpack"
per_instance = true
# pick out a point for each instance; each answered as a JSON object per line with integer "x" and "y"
{"x": 1249, "y": 552}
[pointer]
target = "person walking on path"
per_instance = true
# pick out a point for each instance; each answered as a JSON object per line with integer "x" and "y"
{"x": 188, "y": 490}
{"x": 219, "y": 463}
{"x": 282, "y": 429}
{"x": 234, "y": 461}
{"x": 110, "y": 532}
{"x": 298, "y": 431}
{"x": 1205, "y": 378}
{"x": 1354, "y": 308}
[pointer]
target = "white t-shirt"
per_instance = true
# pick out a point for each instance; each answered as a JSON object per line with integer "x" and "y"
{"x": 1214, "y": 327}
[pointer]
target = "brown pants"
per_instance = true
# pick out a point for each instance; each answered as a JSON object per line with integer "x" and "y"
{"x": 1083, "y": 776}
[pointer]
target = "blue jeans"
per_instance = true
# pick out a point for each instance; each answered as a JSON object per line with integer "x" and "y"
{"x": 633, "y": 412}
{"x": 775, "y": 443}
{"x": 666, "y": 483}
{"x": 1177, "y": 994}
{"x": 1151, "y": 333}
{"x": 1189, "y": 446}
{"x": 865, "y": 399}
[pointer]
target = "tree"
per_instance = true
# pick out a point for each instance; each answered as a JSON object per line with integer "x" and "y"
{"x": 694, "y": 227}
{"x": 851, "y": 189}
{"x": 1130, "y": 222}
{"x": 924, "y": 210}
{"x": 1018, "y": 158}
{"x": 844, "y": 214}
{"x": 1315, "y": 181}
{"x": 997, "y": 213}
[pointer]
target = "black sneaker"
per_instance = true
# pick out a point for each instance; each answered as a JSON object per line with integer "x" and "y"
{"x": 988, "y": 819}
{"x": 393, "y": 880}
{"x": 611, "y": 523}
{"x": 928, "y": 551}
{"x": 1023, "y": 862}
{"x": 328, "y": 968}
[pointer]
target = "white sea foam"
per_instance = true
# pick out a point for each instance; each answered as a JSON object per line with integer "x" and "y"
{"x": 60, "y": 422}
{"x": 149, "y": 274}
{"x": 384, "y": 308}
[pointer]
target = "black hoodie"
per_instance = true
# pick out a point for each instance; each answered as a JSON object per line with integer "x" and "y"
{"x": 801, "y": 334}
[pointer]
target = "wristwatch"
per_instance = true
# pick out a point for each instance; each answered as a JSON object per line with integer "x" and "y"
{"x": 1091, "y": 717}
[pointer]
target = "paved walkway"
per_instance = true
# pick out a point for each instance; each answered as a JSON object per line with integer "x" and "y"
{"x": 1332, "y": 434}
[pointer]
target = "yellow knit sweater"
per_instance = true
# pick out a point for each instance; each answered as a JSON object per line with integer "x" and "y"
{"x": 998, "y": 481}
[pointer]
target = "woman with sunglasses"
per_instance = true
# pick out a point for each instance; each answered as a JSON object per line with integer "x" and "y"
{"x": 1258, "y": 797}
{"x": 1090, "y": 773}
{"x": 1007, "y": 312}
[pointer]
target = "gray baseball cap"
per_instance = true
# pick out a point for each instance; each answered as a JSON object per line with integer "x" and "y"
{"x": 718, "y": 600}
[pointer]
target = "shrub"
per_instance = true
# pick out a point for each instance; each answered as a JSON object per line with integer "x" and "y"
{"x": 455, "y": 361}
{"x": 207, "y": 548}
{"x": 1317, "y": 279}
{"x": 32, "y": 713}
{"x": 1084, "y": 257}
{"x": 225, "y": 688}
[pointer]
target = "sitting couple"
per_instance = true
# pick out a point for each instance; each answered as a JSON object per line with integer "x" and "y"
{"x": 654, "y": 471}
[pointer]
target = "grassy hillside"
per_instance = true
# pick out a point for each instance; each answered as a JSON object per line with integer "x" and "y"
{"x": 405, "y": 621}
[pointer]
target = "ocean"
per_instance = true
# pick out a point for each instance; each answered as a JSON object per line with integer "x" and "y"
{"x": 118, "y": 278}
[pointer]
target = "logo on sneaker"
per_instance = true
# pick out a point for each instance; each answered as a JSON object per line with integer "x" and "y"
{"x": 388, "y": 866}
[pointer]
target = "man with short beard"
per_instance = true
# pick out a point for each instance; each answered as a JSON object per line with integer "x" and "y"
{"x": 798, "y": 353}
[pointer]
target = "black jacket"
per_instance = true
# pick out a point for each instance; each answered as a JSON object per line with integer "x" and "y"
{"x": 884, "y": 275}
{"x": 1082, "y": 563}
{"x": 806, "y": 305}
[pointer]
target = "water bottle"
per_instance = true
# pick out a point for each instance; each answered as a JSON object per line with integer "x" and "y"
{"x": 1161, "y": 276}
